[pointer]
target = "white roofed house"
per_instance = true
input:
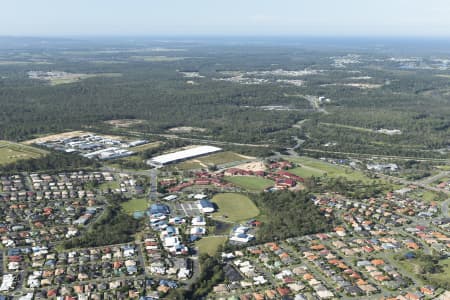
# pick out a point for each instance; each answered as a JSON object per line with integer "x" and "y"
{"x": 8, "y": 282}
{"x": 197, "y": 231}
{"x": 198, "y": 221}
{"x": 171, "y": 197}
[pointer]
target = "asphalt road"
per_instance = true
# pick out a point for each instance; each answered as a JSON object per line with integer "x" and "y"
{"x": 444, "y": 208}
{"x": 434, "y": 178}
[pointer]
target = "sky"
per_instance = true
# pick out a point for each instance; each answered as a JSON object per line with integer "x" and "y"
{"x": 225, "y": 17}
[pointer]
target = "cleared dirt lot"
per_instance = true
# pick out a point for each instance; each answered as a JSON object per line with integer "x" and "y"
{"x": 252, "y": 166}
{"x": 124, "y": 123}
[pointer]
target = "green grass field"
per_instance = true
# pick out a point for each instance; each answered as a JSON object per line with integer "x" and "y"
{"x": 188, "y": 165}
{"x": 306, "y": 171}
{"x": 318, "y": 166}
{"x": 236, "y": 207}
{"x": 109, "y": 185}
{"x": 251, "y": 183}
{"x": 204, "y": 162}
{"x": 145, "y": 147}
{"x": 428, "y": 196}
{"x": 220, "y": 158}
{"x": 135, "y": 205}
{"x": 210, "y": 244}
{"x": 11, "y": 152}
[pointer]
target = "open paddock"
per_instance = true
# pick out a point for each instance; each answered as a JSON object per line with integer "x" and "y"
{"x": 236, "y": 207}
{"x": 134, "y": 205}
{"x": 315, "y": 167}
{"x": 12, "y": 152}
{"x": 211, "y": 244}
{"x": 144, "y": 147}
{"x": 221, "y": 158}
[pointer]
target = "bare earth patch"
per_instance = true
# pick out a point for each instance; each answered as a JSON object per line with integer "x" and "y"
{"x": 200, "y": 163}
{"x": 252, "y": 166}
{"x": 61, "y": 77}
{"x": 356, "y": 85}
{"x": 186, "y": 129}
{"x": 124, "y": 123}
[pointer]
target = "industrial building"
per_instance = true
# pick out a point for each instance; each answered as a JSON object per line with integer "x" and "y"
{"x": 205, "y": 206}
{"x": 178, "y": 156}
{"x": 158, "y": 208}
{"x": 94, "y": 146}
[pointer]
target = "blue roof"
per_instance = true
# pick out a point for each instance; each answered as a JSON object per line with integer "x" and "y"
{"x": 170, "y": 230}
{"x": 193, "y": 238}
{"x": 158, "y": 208}
{"x": 131, "y": 269}
{"x": 50, "y": 262}
{"x": 206, "y": 203}
{"x": 169, "y": 283}
{"x": 12, "y": 252}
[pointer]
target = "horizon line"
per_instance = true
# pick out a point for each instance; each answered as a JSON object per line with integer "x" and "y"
{"x": 103, "y": 35}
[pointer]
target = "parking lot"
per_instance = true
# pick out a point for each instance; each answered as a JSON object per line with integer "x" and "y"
{"x": 188, "y": 209}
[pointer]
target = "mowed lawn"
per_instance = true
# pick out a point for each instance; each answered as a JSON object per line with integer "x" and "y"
{"x": 236, "y": 207}
{"x": 210, "y": 244}
{"x": 11, "y": 152}
{"x": 213, "y": 159}
{"x": 135, "y": 205}
{"x": 251, "y": 183}
{"x": 306, "y": 172}
{"x": 318, "y": 166}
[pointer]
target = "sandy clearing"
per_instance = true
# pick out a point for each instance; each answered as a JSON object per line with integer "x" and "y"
{"x": 252, "y": 166}
{"x": 124, "y": 123}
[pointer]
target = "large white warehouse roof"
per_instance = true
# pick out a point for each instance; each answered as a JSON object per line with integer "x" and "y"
{"x": 182, "y": 155}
